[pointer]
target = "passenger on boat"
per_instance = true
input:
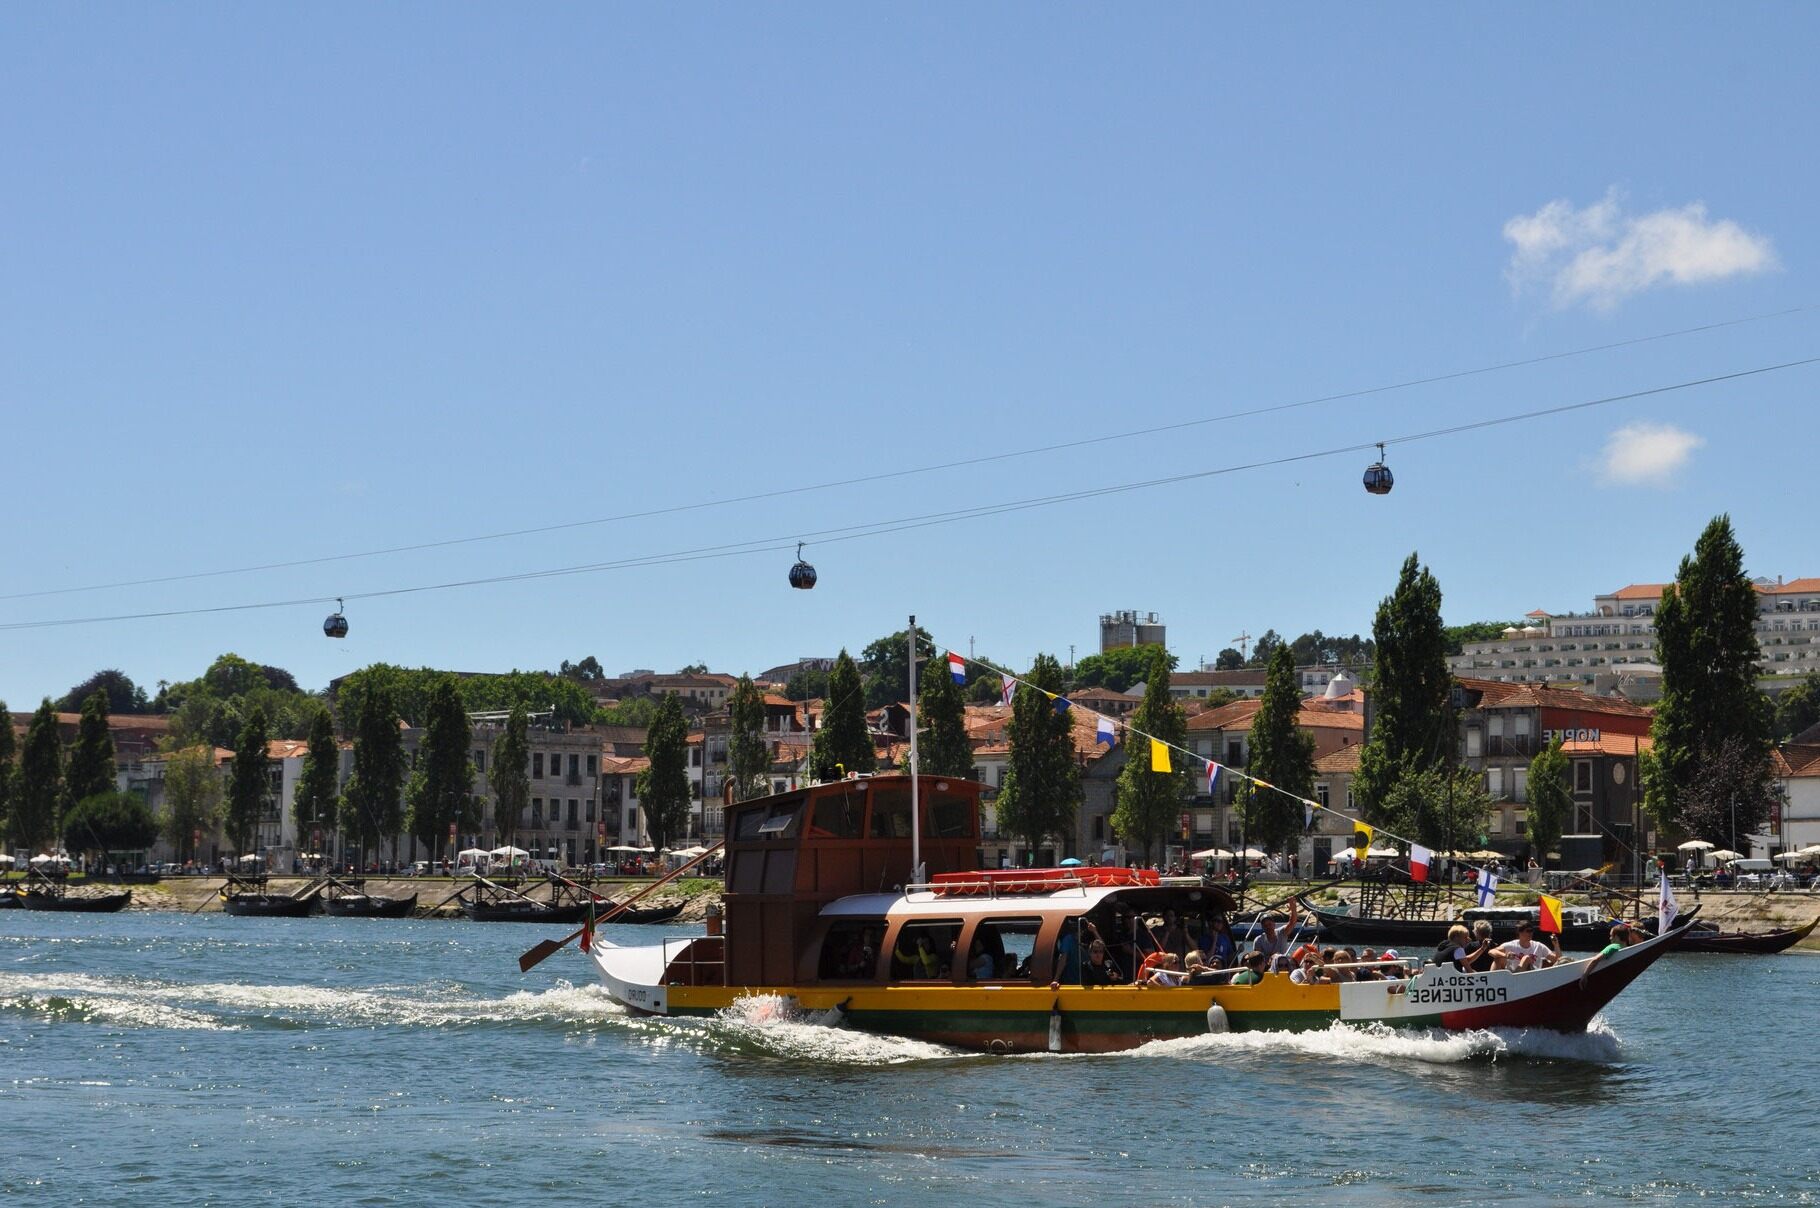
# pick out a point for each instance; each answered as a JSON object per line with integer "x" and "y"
{"x": 1222, "y": 950}
{"x": 922, "y": 962}
{"x": 1482, "y": 961}
{"x": 1310, "y": 972}
{"x": 1175, "y": 936}
{"x": 1252, "y": 973}
{"x": 1457, "y": 949}
{"x": 1620, "y": 939}
{"x": 1200, "y": 973}
{"x": 1275, "y": 935}
{"x": 984, "y": 966}
{"x": 1524, "y": 952}
{"x": 1167, "y": 972}
{"x": 1100, "y": 969}
{"x": 1068, "y": 954}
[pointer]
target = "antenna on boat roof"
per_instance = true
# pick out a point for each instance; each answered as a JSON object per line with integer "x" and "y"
{"x": 916, "y": 830}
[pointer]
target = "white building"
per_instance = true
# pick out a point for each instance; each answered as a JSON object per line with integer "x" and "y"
{"x": 1798, "y": 772}
{"x": 1614, "y": 645}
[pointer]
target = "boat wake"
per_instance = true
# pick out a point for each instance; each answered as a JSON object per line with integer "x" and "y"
{"x": 219, "y": 1006}
{"x": 772, "y": 1025}
{"x": 1377, "y": 1044}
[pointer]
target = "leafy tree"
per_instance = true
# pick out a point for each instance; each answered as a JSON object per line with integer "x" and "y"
{"x": 510, "y": 776}
{"x": 1116, "y": 670}
{"x": 587, "y": 671}
{"x": 1440, "y": 806}
{"x": 1551, "y": 799}
{"x": 442, "y": 784}
{"x": 1265, "y": 648}
{"x": 1733, "y": 792}
{"x": 1312, "y": 649}
{"x": 109, "y": 822}
{"x": 1042, "y": 790}
{"x": 192, "y": 797}
{"x": 123, "y": 696}
{"x": 317, "y": 800}
{"x": 372, "y": 794}
{"x": 90, "y": 770}
{"x": 1282, "y": 753}
{"x": 9, "y": 772}
{"x": 1457, "y": 636}
{"x": 638, "y": 711}
{"x": 887, "y": 668}
{"x": 1706, "y": 642}
{"x": 1413, "y": 726}
{"x": 410, "y": 690}
{"x": 1797, "y": 708}
{"x": 1229, "y": 660}
{"x": 40, "y": 782}
{"x": 1148, "y": 802}
{"x": 693, "y": 669}
{"x": 748, "y": 759}
{"x": 843, "y": 744}
{"x": 984, "y": 687}
{"x": 807, "y": 685}
{"x": 663, "y": 788}
{"x": 941, "y": 713}
{"x": 214, "y": 707}
{"x": 251, "y": 784}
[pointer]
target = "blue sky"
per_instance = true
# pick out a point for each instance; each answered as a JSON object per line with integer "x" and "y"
{"x": 288, "y": 284}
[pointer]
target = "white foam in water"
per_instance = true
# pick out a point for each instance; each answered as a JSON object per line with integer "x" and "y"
{"x": 785, "y": 1029}
{"x": 1379, "y": 1044}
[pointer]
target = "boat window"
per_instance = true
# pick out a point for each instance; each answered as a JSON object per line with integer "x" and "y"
{"x": 890, "y": 813}
{"x": 747, "y": 822}
{"x": 925, "y": 951}
{"x": 951, "y": 816}
{"x": 781, "y": 821}
{"x": 850, "y": 952}
{"x": 838, "y": 817}
{"x": 1002, "y": 948}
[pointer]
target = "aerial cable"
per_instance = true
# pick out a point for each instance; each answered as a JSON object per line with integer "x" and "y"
{"x": 887, "y": 475}
{"x": 878, "y": 528}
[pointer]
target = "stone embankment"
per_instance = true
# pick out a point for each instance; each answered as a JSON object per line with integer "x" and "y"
{"x": 202, "y": 895}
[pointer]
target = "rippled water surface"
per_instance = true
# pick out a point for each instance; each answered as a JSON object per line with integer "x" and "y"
{"x": 171, "y": 1059}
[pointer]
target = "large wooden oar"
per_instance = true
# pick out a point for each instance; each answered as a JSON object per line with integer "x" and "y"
{"x": 548, "y": 948}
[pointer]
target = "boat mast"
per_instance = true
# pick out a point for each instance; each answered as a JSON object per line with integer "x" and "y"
{"x": 916, "y": 830}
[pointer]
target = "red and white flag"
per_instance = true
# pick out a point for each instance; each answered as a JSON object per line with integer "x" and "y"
{"x": 1009, "y": 690}
{"x": 1419, "y": 858}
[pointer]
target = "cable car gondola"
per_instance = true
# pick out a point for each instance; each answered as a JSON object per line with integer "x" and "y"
{"x": 1378, "y": 478}
{"x": 802, "y": 575}
{"x": 336, "y": 625}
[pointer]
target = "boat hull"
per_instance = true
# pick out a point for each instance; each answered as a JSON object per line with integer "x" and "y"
{"x": 72, "y": 904}
{"x": 1023, "y": 1019}
{"x": 1759, "y": 943}
{"x": 267, "y": 906}
{"x": 363, "y": 906}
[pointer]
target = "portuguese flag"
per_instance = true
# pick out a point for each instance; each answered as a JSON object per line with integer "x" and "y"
{"x": 1551, "y": 914}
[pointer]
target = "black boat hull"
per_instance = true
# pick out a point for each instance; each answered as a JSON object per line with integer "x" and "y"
{"x": 529, "y": 912}
{"x": 1757, "y": 943}
{"x": 73, "y": 904}
{"x": 361, "y": 906}
{"x": 267, "y": 906}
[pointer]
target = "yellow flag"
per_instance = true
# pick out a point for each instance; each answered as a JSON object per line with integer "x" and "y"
{"x": 1159, "y": 757}
{"x": 1361, "y": 837}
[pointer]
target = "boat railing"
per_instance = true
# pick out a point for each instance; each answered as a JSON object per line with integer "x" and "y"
{"x": 989, "y": 887}
{"x": 690, "y": 956}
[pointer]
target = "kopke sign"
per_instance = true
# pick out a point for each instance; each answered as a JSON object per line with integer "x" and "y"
{"x": 1570, "y": 735}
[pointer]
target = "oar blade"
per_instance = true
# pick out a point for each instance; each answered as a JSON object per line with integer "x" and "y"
{"x": 536, "y": 956}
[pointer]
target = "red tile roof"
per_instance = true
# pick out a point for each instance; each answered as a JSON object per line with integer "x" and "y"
{"x": 1795, "y": 586}
{"x": 1639, "y": 591}
{"x": 1546, "y": 696}
{"x": 1607, "y": 744}
{"x": 1346, "y": 759}
{"x": 1240, "y": 714}
{"x": 1797, "y": 759}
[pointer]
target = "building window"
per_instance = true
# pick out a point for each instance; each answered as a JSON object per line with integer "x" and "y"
{"x": 1494, "y": 783}
{"x": 480, "y": 761}
{"x": 1522, "y": 730}
{"x": 1494, "y": 725}
{"x": 574, "y": 810}
{"x": 536, "y": 813}
{"x": 536, "y": 765}
{"x": 1582, "y": 775}
{"x": 1320, "y": 795}
{"x": 593, "y": 765}
{"x": 1522, "y": 822}
{"x": 1475, "y": 743}
{"x": 574, "y": 765}
{"x": 1519, "y": 788}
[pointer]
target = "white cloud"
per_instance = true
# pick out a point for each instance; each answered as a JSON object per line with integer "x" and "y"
{"x": 1646, "y": 454}
{"x": 1600, "y": 255}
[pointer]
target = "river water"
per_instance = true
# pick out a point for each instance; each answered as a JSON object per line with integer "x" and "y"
{"x": 172, "y": 1059}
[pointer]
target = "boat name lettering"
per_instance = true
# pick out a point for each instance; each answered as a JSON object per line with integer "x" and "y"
{"x": 1455, "y": 989}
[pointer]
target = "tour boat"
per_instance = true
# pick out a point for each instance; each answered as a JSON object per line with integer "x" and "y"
{"x": 824, "y": 911}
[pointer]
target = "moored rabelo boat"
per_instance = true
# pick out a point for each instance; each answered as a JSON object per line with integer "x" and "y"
{"x": 76, "y": 903}
{"x": 1707, "y": 937}
{"x": 817, "y": 875}
{"x": 1584, "y": 929}
{"x": 368, "y": 906}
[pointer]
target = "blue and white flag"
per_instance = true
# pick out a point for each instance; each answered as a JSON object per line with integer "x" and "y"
{"x": 1488, "y": 886}
{"x": 1102, "y": 732}
{"x": 1213, "y": 776}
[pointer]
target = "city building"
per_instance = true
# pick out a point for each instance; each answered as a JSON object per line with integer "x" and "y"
{"x": 1613, "y": 646}
{"x": 1798, "y": 772}
{"x": 1199, "y": 685}
{"x": 1119, "y": 630}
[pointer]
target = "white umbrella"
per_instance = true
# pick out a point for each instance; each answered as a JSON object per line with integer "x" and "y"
{"x": 1726, "y": 853}
{"x": 508, "y": 853}
{"x": 44, "y": 858}
{"x": 689, "y": 853}
{"x": 1343, "y": 856}
{"x": 624, "y": 850}
{"x": 5, "y": 859}
{"x": 1812, "y": 849}
{"x": 1791, "y": 857}
{"x": 1211, "y": 853}
{"x": 1385, "y": 852}
{"x": 1695, "y": 845}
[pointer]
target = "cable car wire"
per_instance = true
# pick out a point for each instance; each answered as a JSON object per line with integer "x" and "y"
{"x": 887, "y": 475}
{"x": 878, "y": 528}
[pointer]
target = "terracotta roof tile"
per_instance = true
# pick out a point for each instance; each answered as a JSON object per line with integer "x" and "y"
{"x": 1798, "y": 759}
{"x": 1639, "y": 591}
{"x": 1346, "y": 759}
{"x": 1607, "y": 744}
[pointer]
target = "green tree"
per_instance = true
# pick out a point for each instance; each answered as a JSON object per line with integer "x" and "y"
{"x": 1282, "y": 753}
{"x": 510, "y": 775}
{"x": 1551, "y": 800}
{"x": 941, "y": 713}
{"x": 1733, "y": 791}
{"x": 373, "y": 790}
{"x": 1116, "y": 670}
{"x": 90, "y": 770}
{"x": 886, "y": 666}
{"x": 192, "y": 798}
{"x": 317, "y": 801}
{"x": 40, "y": 782}
{"x": 1441, "y": 807}
{"x": 442, "y": 783}
{"x": 1413, "y": 726}
{"x": 251, "y": 784}
{"x": 748, "y": 759}
{"x": 1706, "y": 642}
{"x": 109, "y": 822}
{"x": 123, "y": 696}
{"x": 1229, "y": 660}
{"x": 807, "y": 685}
{"x": 1149, "y": 801}
{"x": 638, "y": 711}
{"x": 1456, "y": 636}
{"x": 843, "y": 744}
{"x": 587, "y": 671}
{"x": 983, "y": 687}
{"x": 1041, "y": 794}
{"x": 663, "y": 788}
{"x": 1265, "y": 648}
{"x": 1798, "y": 708}
{"x": 9, "y": 772}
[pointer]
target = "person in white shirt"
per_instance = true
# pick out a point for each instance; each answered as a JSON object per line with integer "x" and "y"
{"x": 1524, "y": 952}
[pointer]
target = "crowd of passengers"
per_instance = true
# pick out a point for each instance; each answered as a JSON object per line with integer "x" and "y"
{"x": 1121, "y": 948}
